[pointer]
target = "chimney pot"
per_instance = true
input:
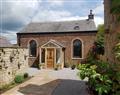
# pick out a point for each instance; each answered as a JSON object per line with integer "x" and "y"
{"x": 91, "y": 15}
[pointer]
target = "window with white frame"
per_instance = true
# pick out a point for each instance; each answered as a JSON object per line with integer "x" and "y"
{"x": 77, "y": 48}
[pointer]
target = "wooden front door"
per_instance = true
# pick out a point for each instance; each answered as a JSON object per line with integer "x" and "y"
{"x": 50, "y": 58}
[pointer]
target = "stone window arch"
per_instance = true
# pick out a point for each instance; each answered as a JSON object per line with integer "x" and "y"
{"x": 77, "y": 48}
{"x": 32, "y": 48}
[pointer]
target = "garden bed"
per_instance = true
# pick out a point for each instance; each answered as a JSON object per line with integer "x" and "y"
{"x": 13, "y": 84}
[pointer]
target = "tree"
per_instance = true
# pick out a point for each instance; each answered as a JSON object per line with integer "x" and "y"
{"x": 99, "y": 43}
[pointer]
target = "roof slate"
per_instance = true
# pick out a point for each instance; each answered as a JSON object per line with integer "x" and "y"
{"x": 61, "y": 26}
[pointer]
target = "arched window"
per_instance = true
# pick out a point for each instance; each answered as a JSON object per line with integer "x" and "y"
{"x": 77, "y": 49}
{"x": 33, "y": 48}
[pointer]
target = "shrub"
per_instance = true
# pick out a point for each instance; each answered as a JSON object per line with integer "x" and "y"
{"x": 19, "y": 78}
{"x": 100, "y": 83}
{"x": 102, "y": 67}
{"x": 117, "y": 51}
{"x": 26, "y": 75}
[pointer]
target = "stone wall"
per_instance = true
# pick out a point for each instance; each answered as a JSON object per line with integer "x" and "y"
{"x": 13, "y": 60}
{"x": 112, "y": 31}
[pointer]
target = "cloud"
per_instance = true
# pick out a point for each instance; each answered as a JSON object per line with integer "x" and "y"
{"x": 16, "y": 14}
{"x": 63, "y": 16}
{"x": 99, "y": 9}
{"x": 56, "y": 2}
{"x": 51, "y": 15}
{"x": 11, "y": 35}
{"x": 99, "y": 20}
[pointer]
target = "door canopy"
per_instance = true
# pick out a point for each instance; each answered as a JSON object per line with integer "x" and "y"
{"x": 53, "y": 43}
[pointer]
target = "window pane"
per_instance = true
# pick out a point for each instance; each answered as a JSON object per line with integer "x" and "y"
{"x": 57, "y": 55}
{"x": 42, "y": 55}
{"x": 77, "y": 49}
{"x": 33, "y": 48}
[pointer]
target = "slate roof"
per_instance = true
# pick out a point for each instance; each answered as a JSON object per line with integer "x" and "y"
{"x": 4, "y": 42}
{"x": 61, "y": 26}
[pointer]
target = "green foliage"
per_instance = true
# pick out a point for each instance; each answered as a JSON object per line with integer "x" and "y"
{"x": 86, "y": 71}
{"x": 115, "y": 8}
{"x": 98, "y": 45}
{"x": 101, "y": 32}
{"x": 101, "y": 89}
{"x": 19, "y": 78}
{"x": 103, "y": 84}
{"x": 103, "y": 77}
{"x": 6, "y": 87}
{"x": 102, "y": 67}
{"x": 100, "y": 40}
{"x": 117, "y": 51}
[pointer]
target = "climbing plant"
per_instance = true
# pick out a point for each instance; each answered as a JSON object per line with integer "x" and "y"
{"x": 115, "y": 8}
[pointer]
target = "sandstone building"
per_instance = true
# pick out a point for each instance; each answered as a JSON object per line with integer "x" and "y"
{"x": 57, "y": 43}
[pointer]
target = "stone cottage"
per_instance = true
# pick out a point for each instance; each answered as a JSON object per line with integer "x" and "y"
{"x": 57, "y": 43}
{"x": 112, "y": 31}
{"x": 13, "y": 61}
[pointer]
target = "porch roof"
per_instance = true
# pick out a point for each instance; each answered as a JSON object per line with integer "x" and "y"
{"x": 54, "y": 42}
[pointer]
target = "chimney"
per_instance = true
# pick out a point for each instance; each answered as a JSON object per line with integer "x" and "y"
{"x": 91, "y": 15}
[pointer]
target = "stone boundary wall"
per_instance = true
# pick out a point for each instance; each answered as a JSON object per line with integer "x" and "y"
{"x": 13, "y": 61}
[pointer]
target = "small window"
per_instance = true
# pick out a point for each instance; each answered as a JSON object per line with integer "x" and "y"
{"x": 76, "y": 28}
{"x": 77, "y": 49}
{"x": 33, "y": 48}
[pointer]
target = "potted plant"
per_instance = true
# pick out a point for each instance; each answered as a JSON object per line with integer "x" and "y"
{"x": 39, "y": 66}
{"x": 73, "y": 66}
{"x": 57, "y": 66}
{"x": 66, "y": 65}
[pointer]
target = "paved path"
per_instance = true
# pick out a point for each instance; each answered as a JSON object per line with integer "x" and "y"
{"x": 51, "y": 82}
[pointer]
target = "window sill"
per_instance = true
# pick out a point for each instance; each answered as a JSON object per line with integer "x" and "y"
{"x": 76, "y": 58}
{"x": 32, "y": 57}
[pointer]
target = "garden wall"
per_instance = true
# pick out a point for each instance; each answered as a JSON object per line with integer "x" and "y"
{"x": 13, "y": 60}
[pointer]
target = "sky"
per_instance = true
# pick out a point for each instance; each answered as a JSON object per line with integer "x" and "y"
{"x": 16, "y": 14}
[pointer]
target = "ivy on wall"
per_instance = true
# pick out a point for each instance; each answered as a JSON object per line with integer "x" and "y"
{"x": 115, "y": 8}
